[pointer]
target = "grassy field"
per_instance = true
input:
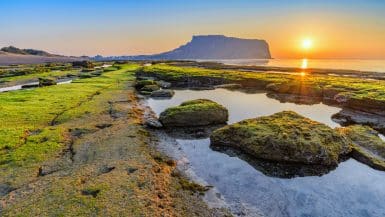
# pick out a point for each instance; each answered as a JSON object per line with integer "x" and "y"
{"x": 30, "y": 120}
{"x": 80, "y": 149}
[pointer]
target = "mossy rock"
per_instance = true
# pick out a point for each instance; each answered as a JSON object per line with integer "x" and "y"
{"x": 150, "y": 88}
{"x": 284, "y": 137}
{"x": 199, "y": 112}
{"x": 162, "y": 93}
{"x": 296, "y": 88}
{"x": 140, "y": 84}
{"x": 47, "y": 82}
{"x": 368, "y": 147}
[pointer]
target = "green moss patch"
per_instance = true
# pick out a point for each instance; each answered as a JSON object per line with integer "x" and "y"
{"x": 197, "y": 112}
{"x": 284, "y": 137}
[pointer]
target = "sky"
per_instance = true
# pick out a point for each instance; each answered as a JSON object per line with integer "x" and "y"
{"x": 337, "y": 29}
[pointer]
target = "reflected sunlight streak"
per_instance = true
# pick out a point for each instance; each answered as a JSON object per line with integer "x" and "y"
{"x": 304, "y": 64}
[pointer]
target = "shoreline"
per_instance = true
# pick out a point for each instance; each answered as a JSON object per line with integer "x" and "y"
{"x": 251, "y": 68}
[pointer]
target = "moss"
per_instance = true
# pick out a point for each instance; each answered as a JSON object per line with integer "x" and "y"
{"x": 27, "y": 137}
{"x": 359, "y": 88}
{"x": 192, "y": 186}
{"x": 368, "y": 147}
{"x": 365, "y": 137}
{"x": 285, "y": 137}
{"x": 193, "y": 105}
{"x": 150, "y": 88}
{"x": 140, "y": 84}
{"x": 194, "y": 113}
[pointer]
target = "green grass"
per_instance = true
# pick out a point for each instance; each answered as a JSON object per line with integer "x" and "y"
{"x": 26, "y": 115}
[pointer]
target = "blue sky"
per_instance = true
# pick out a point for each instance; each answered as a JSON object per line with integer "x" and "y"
{"x": 135, "y": 27}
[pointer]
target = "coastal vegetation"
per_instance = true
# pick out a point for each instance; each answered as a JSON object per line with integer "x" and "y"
{"x": 81, "y": 149}
{"x": 353, "y": 92}
{"x": 86, "y": 143}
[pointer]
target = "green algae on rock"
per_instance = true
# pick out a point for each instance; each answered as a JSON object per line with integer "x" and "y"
{"x": 368, "y": 148}
{"x": 284, "y": 137}
{"x": 199, "y": 112}
{"x": 47, "y": 82}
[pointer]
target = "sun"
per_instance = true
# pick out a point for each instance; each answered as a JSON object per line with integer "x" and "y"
{"x": 307, "y": 44}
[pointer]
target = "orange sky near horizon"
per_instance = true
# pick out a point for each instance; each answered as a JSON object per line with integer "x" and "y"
{"x": 338, "y": 29}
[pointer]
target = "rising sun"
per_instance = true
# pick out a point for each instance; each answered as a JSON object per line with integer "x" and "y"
{"x": 307, "y": 43}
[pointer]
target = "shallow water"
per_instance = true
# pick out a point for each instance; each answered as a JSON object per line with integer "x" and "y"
{"x": 19, "y": 87}
{"x": 352, "y": 189}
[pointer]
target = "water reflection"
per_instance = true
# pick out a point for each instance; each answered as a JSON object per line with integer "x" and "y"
{"x": 252, "y": 188}
{"x": 304, "y": 64}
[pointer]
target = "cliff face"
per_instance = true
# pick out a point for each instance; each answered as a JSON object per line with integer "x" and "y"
{"x": 217, "y": 47}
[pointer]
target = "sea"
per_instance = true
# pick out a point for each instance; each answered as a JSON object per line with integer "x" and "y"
{"x": 371, "y": 65}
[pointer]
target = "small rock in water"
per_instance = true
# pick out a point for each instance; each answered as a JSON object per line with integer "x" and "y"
{"x": 229, "y": 86}
{"x": 164, "y": 84}
{"x": 199, "y": 112}
{"x": 284, "y": 137}
{"x": 162, "y": 93}
{"x": 368, "y": 147}
{"x": 153, "y": 123}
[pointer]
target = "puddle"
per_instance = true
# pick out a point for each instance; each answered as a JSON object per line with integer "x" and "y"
{"x": 19, "y": 87}
{"x": 253, "y": 189}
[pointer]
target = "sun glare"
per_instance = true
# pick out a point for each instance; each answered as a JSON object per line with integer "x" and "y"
{"x": 304, "y": 64}
{"x": 307, "y": 43}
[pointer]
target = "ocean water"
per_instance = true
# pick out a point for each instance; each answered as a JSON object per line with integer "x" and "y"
{"x": 375, "y": 65}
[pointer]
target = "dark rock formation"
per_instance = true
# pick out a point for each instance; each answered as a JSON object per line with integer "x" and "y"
{"x": 216, "y": 47}
{"x": 15, "y": 50}
{"x": 349, "y": 116}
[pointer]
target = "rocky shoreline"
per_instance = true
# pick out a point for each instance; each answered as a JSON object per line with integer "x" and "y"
{"x": 314, "y": 140}
{"x": 292, "y": 88}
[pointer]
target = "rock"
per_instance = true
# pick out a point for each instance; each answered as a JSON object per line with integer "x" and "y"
{"x": 368, "y": 147}
{"x": 342, "y": 97}
{"x": 216, "y": 47}
{"x": 162, "y": 93}
{"x": 141, "y": 83}
{"x": 150, "y": 88}
{"x": 47, "y": 82}
{"x": 153, "y": 123}
{"x": 348, "y": 117}
{"x": 103, "y": 125}
{"x": 229, "y": 86}
{"x": 164, "y": 84}
{"x": 199, "y": 112}
{"x": 5, "y": 189}
{"x": 298, "y": 99}
{"x": 284, "y": 137}
{"x": 29, "y": 86}
{"x": 84, "y": 63}
{"x": 297, "y": 88}
{"x": 145, "y": 93}
{"x": 106, "y": 169}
